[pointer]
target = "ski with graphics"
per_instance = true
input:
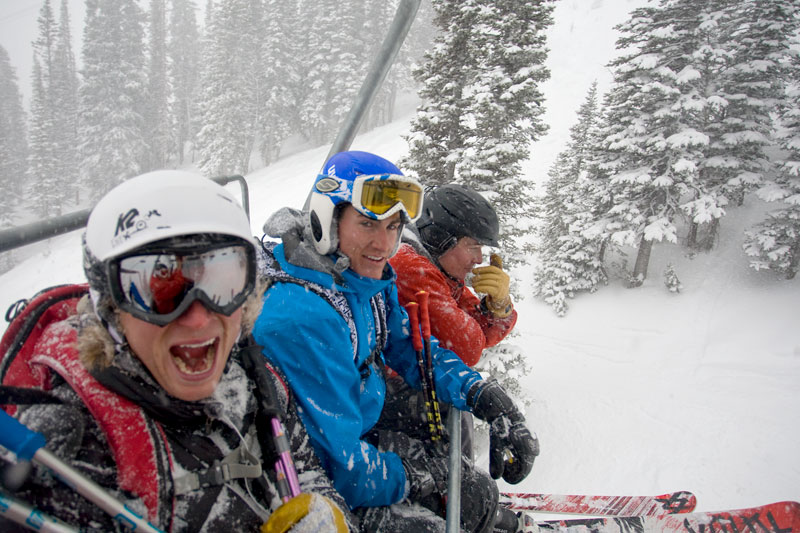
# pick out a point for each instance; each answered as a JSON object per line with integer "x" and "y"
{"x": 780, "y": 517}
{"x": 670, "y": 503}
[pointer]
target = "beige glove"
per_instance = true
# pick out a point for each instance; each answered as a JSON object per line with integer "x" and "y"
{"x": 306, "y": 513}
{"x": 493, "y": 282}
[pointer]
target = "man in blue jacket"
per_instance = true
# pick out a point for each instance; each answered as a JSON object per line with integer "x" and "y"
{"x": 331, "y": 321}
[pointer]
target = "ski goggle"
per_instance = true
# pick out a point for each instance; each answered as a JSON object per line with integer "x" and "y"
{"x": 158, "y": 286}
{"x": 377, "y": 196}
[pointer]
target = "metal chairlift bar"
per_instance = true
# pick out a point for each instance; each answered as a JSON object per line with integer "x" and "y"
{"x": 37, "y": 231}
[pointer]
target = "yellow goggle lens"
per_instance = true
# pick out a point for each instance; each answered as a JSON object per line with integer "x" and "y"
{"x": 379, "y": 196}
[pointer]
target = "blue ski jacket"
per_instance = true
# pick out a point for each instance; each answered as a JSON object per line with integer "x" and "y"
{"x": 338, "y": 400}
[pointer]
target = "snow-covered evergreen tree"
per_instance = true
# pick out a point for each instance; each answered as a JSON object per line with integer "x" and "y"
{"x": 438, "y": 139}
{"x": 774, "y": 243}
{"x": 569, "y": 254}
{"x": 156, "y": 116}
{"x": 63, "y": 93}
{"x": 112, "y": 96}
{"x": 752, "y": 87}
{"x": 505, "y": 110}
{"x": 482, "y": 103}
{"x": 183, "y": 67}
{"x": 280, "y": 73}
{"x": 652, "y": 146}
{"x": 671, "y": 281}
{"x": 334, "y": 66}
{"x": 13, "y": 141}
{"x": 229, "y": 99}
{"x": 43, "y": 164}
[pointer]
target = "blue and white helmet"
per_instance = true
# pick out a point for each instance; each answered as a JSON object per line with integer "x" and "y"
{"x": 371, "y": 184}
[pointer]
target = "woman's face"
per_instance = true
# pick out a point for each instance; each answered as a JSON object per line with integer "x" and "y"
{"x": 367, "y": 242}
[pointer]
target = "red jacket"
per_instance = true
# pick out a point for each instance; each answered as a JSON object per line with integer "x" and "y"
{"x": 455, "y": 312}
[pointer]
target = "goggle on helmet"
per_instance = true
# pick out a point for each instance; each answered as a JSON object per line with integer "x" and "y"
{"x": 377, "y": 196}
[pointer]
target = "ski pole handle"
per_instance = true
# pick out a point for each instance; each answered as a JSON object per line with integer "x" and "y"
{"x": 412, "y": 308}
{"x": 285, "y": 459}
{"x": 18, "y": 438}
{"x": 14, "y": 436}
{"x": 424, "y": 316}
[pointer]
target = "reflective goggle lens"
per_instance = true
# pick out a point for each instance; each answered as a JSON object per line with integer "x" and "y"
{"x": 379, "y": 196}
{"x": 157, "y": 284}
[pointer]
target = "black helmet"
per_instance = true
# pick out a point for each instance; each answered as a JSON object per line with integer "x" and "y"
{"x": 450, "y": 212}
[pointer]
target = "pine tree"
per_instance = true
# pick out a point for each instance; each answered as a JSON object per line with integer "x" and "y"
{"x": 112, "y": 96}
{"x": 53, "y": 165}
{"x": 569, "y": 259}
{"x": 42, "y": 163}
{"x": 334, "y": 66}
{"x": 64, "y": 105}
{"x": 650, "y": 138}
{"x": 482, "y": 103}
{"x": 506, "y": 103}
{"x": 280, "y": 76}
{"x": 774, "y": 243}
{"x": 13, "y": 142}
{"x": 156, "y": 116}
{"x": 230, "y": 101}
{"x": 438, "y": 139}
{"x": 183, "y": 54}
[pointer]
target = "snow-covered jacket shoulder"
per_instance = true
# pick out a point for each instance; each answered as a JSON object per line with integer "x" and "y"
{"x": 457, "y": 319}
{"x": 161, "y": 463}
{"x": 310, "y": 341}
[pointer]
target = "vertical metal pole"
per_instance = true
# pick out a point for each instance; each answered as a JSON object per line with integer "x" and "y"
{"x": 379, "y": 68}
{"x": 454, "y": 472}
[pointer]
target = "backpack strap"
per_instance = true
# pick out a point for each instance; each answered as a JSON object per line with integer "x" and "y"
{"x": 49, "y": 305}
{"x": 270, "y": 270}
{"x": 41, "y": 342}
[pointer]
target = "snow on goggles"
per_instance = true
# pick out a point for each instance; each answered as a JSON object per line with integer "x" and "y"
{"x": 158, "y": 286}
{"x": 378, "y": 196}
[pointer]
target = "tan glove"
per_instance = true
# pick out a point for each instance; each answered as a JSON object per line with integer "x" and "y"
{"x": 493, "y": 282}
{"x": 306, "y": 513}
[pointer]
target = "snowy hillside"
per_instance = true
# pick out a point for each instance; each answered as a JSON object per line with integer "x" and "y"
{"x": 635, "y": 390}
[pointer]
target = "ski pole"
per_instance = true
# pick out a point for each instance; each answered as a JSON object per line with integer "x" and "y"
{"x": 453, "y": 523}
{"x": 29, "y": 445}
{"x": 288, "y": 483}
{"x": 30, "y": 517}
{"x": 412, "y": 308}
{"x": 425, "y": 322}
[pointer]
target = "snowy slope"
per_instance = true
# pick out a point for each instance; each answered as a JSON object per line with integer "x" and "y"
{"x": 634, "y": 391}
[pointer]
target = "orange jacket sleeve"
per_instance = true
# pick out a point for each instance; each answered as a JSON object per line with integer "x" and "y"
{"x": 456, "y": 317}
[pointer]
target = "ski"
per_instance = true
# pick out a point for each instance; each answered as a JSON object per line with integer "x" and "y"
{"x": 670, "y": 503}
{"x": 781, "y": 517}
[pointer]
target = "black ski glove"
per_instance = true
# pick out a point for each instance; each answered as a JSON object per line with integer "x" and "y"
{"x": 425, "y": 473}
{"x": 512, "y": 447}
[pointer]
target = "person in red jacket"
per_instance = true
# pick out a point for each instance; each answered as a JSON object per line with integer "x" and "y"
{"x": 438, "y": 255}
